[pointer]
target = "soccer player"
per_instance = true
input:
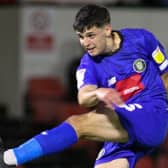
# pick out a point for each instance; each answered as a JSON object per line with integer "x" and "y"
{"x": 120, "y": 79}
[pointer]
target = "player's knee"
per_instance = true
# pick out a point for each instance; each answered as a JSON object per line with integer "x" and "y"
{"x": 78, "y": 122}
{"x": 73, "y": 120}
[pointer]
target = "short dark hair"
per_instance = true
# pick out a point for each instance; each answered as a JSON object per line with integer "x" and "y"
{"x": 91, "y": 15}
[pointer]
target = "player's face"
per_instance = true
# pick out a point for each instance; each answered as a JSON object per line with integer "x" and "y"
{"x": 94, "y": 40}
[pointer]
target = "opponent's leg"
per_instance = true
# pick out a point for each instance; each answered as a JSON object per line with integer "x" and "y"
{"x": 100, "y": 124}
{"x": 118, "y": 163}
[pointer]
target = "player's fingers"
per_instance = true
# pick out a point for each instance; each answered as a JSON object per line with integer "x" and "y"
{"x": 113, "y": 99}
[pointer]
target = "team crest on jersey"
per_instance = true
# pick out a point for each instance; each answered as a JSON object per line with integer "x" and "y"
{"x": 139, "y": 65}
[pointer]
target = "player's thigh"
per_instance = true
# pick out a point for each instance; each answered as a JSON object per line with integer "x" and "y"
{"x": 100, "y": 124}
{"x": 118, "y": 163}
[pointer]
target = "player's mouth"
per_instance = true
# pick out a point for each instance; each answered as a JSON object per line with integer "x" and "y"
{"x": 90, "y": 50}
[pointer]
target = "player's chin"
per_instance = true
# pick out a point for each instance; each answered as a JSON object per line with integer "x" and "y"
{"x": 93, "y": 54}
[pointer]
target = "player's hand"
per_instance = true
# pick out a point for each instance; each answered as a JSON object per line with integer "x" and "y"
{"x": 110, "y": 97}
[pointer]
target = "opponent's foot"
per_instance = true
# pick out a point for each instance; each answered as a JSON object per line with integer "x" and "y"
{"x": 2, "y": 164}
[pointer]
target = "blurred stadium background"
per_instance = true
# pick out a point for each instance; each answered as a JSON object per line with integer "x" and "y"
{"x": 39, "y": 53}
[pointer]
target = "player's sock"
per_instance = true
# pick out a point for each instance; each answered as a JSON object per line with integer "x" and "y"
{"x": 51, "y": 141}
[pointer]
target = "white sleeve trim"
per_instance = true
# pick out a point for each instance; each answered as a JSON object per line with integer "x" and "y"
{"x": 164, "y": 65}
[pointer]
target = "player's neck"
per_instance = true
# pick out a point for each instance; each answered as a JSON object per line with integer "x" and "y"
{"x": 116, "y": 41}
{"x": 113, "y": 43}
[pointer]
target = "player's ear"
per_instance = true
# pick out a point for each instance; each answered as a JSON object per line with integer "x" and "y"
{"x": 108, "y": 29}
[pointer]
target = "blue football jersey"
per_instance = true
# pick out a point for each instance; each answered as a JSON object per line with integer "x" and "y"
{"x": 134, "y": 69}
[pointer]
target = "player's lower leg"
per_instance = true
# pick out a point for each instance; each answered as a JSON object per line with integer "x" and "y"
{"x": 48, "y": 142}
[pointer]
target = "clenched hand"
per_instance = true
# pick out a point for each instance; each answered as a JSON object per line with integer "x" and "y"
{"x": 110, "y": 97}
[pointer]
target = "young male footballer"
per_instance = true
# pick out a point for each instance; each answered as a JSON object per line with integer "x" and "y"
{"x": 121, "y": 79}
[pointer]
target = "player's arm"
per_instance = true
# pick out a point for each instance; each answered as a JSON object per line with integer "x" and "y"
{"x": 165, "y": 80}
{"x": 87, "y": 96}
{"x": 90, "y": 96}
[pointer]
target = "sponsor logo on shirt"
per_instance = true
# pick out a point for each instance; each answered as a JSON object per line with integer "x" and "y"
{"x": 139, "y": 65}
{"x": 130, "y": 86}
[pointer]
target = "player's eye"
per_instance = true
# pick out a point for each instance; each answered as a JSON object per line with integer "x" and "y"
{"x": 91, "y": 36}
{"x": 81, "y": 37}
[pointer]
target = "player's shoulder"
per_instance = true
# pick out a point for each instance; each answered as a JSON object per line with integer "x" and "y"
{"x": 139, "y": 36}
{"x": 85, "y": 61}
{"x": 136, "y": 32}
{"x": 86, "y": 58}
